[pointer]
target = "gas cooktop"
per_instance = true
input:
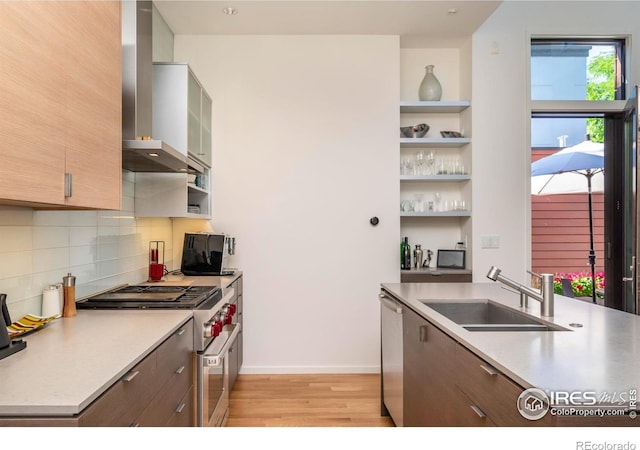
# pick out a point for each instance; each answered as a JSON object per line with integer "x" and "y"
{"x": 152, "y": 297}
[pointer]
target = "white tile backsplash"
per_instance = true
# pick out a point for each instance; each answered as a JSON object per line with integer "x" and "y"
{"x": 16, "y": 264}
{"x": 50, "y": 258}
{"x": 15, "y": 239}
{"x": 50, "y": 237}
{"x": 103, "y": 249}
{"x": 13, "y": 215}
{"x": 83, "y": 236}
{"x": 83, "y": 254}
{"x": 51, "y": 218}
{"x": 83, "y": 218}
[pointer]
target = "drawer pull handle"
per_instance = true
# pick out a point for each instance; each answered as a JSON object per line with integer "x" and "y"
{"x": 180, "y": 370}
{"x": 181, "y": 332}
{"x": 490, "y": 370}
{"x": 478, "y": 411}
{"x": 180, "y": 408}
{"x": 130, "y": 376}
{"x": 423, "y": 333}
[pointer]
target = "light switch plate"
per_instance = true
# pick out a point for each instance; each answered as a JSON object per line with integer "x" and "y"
{"x": 490, "y": 241}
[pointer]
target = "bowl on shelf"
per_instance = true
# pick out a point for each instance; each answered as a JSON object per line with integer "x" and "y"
{"x": 415, "y": 131}
{"x": 451, "y": 134}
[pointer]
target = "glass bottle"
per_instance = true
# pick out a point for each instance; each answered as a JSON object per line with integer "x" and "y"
{"x": 406, "y": 260}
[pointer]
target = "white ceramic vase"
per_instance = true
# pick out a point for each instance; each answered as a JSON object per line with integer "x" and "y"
{"x": 430, "y": 88}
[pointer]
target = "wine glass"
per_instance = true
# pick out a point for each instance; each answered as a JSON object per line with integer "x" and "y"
{"x": 431, "y": 160}
{"x": 420, "y": 160}
{"x": 405, "y": 166}
{"x": 437, "y": 198}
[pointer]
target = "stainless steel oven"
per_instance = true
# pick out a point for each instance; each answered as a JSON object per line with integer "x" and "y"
{"x": 213, "y": 378}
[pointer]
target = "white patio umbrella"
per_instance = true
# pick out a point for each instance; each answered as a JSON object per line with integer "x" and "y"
{"x": 565, "y": 172}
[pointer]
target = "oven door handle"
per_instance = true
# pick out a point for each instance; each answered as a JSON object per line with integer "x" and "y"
{"x": 216, "y": 359}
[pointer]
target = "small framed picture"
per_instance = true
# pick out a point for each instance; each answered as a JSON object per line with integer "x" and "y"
{"x": 451, "y": 259}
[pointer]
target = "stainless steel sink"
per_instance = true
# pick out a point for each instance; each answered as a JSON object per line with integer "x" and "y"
{"x": 485, "y": 315}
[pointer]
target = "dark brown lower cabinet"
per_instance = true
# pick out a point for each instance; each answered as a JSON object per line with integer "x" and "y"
{"x": 428, "y": 373}
{"x": 467, "y": 413}
{"x": 445, "y": 384}
{"x": 158, "y": 391}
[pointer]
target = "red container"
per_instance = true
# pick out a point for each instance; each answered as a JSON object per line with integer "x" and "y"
{"x": 156, "y": 271}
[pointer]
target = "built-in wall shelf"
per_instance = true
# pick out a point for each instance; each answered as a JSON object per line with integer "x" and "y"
{"x": 436, "y": 214}
{"x": 192, "y": 187}
{"x": 435, "y": 177}
{"x": 433, "y": 142}
{"x": 434, "y": 107}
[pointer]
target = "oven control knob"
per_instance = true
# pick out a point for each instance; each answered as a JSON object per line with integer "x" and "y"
{"x": 228, "y": 318}
{"x": 208, "y": 329}
{"x": 232, "y": 309}
{"x": 217, "y": 328}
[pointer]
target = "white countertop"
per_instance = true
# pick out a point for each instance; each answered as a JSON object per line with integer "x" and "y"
{"x": 602, "y": 356}
{"x": 71, "y": 361}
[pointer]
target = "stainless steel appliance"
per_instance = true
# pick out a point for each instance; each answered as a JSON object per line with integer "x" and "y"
{"x": 215, "y": 330}
{"x": 206, "y": 254}
{"x": 140, "y": 152}
{"x": 392, "y": 372}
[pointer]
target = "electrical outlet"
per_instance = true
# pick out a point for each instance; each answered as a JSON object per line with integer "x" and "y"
{"x": 490, "y": 241}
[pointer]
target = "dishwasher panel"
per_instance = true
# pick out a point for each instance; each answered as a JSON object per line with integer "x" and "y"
{"x": 391, "y": 331}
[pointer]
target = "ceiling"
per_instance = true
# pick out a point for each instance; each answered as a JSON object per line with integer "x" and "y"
{"x": 418, "y": 22}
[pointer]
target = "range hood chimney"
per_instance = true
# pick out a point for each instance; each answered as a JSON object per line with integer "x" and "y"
{"x": 140, "y": 152}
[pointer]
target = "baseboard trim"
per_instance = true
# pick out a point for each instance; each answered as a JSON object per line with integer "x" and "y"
{"x": 274, "y": 370}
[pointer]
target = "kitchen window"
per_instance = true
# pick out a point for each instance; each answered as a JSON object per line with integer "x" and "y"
{"x": 578, "y": 91}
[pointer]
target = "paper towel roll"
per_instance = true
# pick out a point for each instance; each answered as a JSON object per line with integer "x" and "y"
{"x": 51, "y": 301}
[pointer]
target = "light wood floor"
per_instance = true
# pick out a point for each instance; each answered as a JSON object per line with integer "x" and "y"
{"x": 322, "y": 400}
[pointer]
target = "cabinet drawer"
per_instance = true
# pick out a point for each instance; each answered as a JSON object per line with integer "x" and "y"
{"x": 185, "y": 413}
{"x": 491, "y": 391}
{"x": 122, "y": 403}
{"x": 467, "y": 413}
{"x": 166, "y": 401}
{"x": 176, "y": 353}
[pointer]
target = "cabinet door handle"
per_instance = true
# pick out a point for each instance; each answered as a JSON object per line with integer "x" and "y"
{"x": 181, "y": 332}
{"x": 490, "y": 370}
{"x": 130, "y": 376}
{"x": 390, "y": 304}
{"x": 68, "y": 184}
{"x": 478, "y": 411}
{"x": 180, "y": 408}
{"x": 180, "y": 370}
{"x": 134, "y": 425}
{"x": 423, "y": 333}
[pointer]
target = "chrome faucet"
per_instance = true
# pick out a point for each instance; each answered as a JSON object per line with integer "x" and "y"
{"x": 545, "y": 296}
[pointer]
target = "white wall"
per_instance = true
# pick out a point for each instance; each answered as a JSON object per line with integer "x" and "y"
{"x": 305, "y": 152}
{"x": 501, "y": 114}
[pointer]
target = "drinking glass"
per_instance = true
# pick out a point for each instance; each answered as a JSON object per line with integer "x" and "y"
{"x": 431, "y": 160}
{"x": 420, "y": 160}
{"x": 405, "y": 166}
{"x": 437, "y": 198}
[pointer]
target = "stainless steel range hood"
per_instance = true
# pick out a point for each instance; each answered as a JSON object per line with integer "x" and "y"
{"x": 140, "y": 152}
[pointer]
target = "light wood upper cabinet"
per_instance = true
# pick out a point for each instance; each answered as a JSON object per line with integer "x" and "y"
{"x": 61, "y": 109}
